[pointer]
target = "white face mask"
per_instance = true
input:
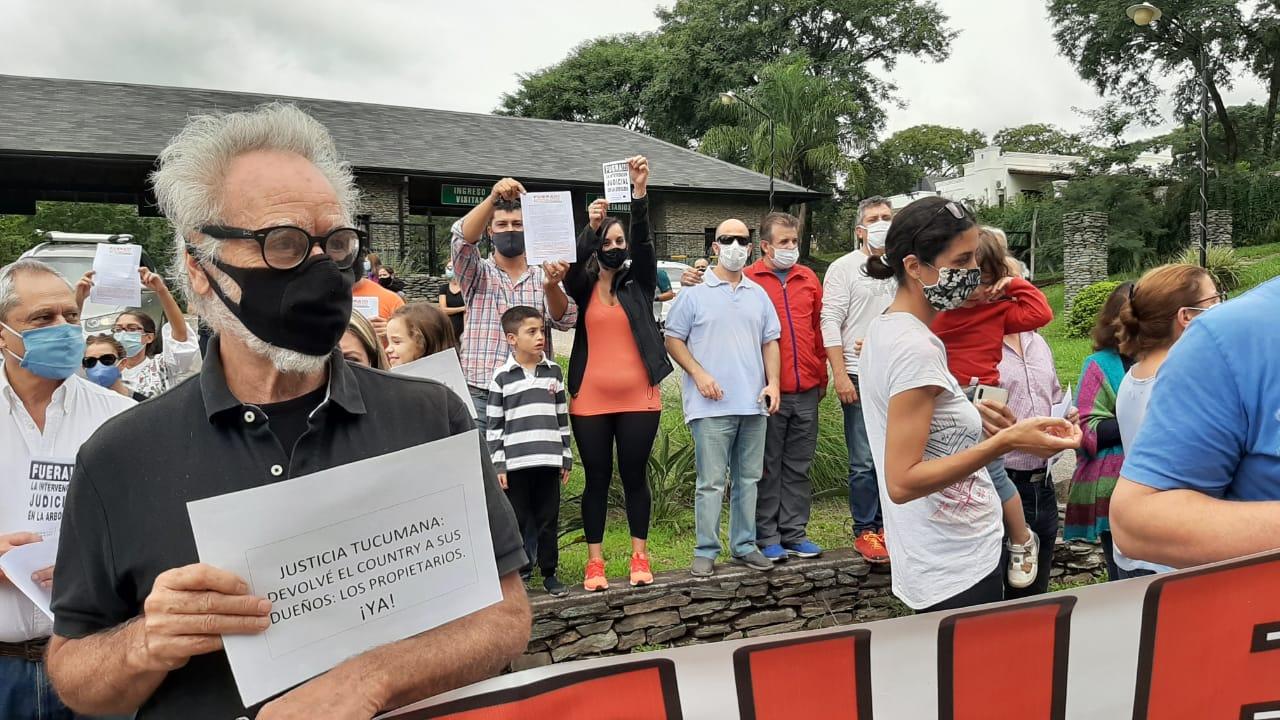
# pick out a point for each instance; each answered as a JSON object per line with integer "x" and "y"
{"x": 784, "y": 259}
{"x": 733, "y": 257}
{"x": 877, "y": 232}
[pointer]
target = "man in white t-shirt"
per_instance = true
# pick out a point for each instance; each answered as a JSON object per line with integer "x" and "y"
{"x": 46, "y": 413}
{"x": 851, "y": 300}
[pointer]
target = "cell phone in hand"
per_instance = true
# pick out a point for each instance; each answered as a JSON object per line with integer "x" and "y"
{"x": 990, "y": 392}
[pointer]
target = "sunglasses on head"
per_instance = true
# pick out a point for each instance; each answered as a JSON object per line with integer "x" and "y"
{"x": 107, "y": 360}
{"x": 956, "y": 211}
{"x": 730, "y": 239}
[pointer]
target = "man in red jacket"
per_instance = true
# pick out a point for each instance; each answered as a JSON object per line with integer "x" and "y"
{"x": 784, "y": 494}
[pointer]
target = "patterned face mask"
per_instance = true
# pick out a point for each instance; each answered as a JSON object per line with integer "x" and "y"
{"x": 953, "y": 288}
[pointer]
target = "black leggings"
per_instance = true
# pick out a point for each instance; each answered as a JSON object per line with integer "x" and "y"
{"x": 989, "y": 589}
{"x": 633, "y": 434}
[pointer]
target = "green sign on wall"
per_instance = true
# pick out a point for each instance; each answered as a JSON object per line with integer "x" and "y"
{"x": 624, "y": 208}
{"x": 467, "y": 195}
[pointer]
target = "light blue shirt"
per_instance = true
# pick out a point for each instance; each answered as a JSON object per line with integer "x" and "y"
{"x": 725, "y": 328}
{"x": 1213, "y": 424}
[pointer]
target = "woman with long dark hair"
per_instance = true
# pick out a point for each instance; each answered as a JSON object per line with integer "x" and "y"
{"x": 617, "y": 362}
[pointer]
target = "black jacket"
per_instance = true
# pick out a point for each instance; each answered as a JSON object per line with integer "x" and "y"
{"x": 634, "y": 287}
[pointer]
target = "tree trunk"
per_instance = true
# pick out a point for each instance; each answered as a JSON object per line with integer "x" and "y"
{"x": 1228, "y": 126}
{"x": 806, "y": 233}
{"x": 1273, "y": 96}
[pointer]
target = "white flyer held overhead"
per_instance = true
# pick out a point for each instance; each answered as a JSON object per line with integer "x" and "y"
{"x": 442, "y": 367}
{"x": 19, "y": 563}
{"x": 366, "y": 306}
{"x": 352, "y": 557}
{"x": 548, "y": 227}
{"x": 617, "y": 182}
{"x": 115, "y": 275}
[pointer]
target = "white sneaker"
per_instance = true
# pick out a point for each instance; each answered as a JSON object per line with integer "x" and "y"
{"x": 1024, "y": 562}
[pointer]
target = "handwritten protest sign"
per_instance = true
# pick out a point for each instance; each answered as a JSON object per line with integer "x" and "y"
{"x": 442, "y": 367}
{"x": 548, "y": 227}
{"x": 115, "y": 275}
{"x": 352, "y": 557}
{"x": 617, "y": 182}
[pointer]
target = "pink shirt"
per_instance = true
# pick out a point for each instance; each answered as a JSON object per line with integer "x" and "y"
{"x": 1032, "y": 382}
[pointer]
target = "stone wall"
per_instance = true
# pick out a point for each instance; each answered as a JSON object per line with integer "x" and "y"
{"x": 678, "y": 609}
{"x": 422, "y": 287}
{"x": 1084, "y": 251}
{"x": 380, "y": 199}
{"x": 694, "y": 213}
{"x": 1220, "y": 228}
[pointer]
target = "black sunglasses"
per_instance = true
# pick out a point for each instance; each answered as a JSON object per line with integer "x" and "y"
{"x": 957, "y": 212}
{"x": 285, "y": 247}
{"x": 729, "y": 239}
{"x": 107, "y": 360}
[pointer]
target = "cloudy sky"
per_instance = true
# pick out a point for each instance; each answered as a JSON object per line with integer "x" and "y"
{"x": 1004, "y": 69}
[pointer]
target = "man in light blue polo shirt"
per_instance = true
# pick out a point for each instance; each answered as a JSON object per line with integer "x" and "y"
{"x": 724, "y": 333}
{"x": 1202, "y": 482}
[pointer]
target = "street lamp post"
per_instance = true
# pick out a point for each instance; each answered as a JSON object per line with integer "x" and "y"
{"x": 1144, "y": 14}
{"x": 729, "y": 98}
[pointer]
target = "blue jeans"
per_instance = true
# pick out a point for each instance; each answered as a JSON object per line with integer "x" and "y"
{"x": 727, "y": 448}
{"x": 25, "y": 693}
{"x": 864, "y": 492}
{"x": 480, "y": 399}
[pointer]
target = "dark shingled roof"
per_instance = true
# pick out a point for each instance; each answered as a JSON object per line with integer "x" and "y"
{"x": 83, "y": 118}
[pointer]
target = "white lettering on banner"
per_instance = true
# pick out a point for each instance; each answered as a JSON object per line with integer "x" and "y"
{"x": 352, "y": 557}
{"x": 1201, "y": 643}
{"x": 47, "y": 480}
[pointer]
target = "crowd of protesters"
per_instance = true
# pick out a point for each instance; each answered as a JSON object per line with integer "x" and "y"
{"x": 927, "y": 334}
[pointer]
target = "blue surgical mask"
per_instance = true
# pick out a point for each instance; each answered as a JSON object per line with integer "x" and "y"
{"x": 53, "y": 352}
{"x": 104, "y": 375}
{"x": 448, "y": 273}
{"x": 132, "y": 342}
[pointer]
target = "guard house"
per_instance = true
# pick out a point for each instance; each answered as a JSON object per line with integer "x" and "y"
{"x": 417, "y": 168}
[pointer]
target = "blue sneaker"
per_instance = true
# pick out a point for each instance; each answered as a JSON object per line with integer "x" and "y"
{"x": 803, "y": 549}
{"x": 774, "y": 552}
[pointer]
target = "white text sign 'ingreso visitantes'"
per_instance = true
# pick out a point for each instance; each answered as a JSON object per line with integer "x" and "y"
{"x": 352, "y": 558}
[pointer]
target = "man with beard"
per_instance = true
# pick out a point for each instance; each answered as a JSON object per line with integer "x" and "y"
{"x": 491, "y": 286}
{"x": 261, "y": 208}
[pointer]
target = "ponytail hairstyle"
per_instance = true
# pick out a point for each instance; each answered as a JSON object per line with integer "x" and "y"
{"x": 1148, "y": 321}
{"x": 1107, "y": 326}
{"x": 925, "y": 228}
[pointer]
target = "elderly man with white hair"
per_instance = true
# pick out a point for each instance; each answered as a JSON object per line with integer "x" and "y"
{"x": 261, "y": 207}
{"x": 46, "y": 413}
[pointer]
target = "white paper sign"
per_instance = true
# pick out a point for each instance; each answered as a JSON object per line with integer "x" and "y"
{"x": 617, "y": 182}
{"x": 19, "y": 563}
{"x": 47, "y": 480}
{"x": 352, "y": 558}
{"x": 548, "y": 227}
{"x": 443, "y": 367}
{"x": 366, "y": 306}
{"x": 115, "y": 275}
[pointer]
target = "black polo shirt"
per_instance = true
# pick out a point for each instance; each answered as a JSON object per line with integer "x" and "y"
{"x": 126, "y": 515}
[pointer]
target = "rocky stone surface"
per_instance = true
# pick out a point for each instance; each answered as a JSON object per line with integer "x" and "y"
{"x": 1220, "y": 228}
{"x": 1084, "y": 252}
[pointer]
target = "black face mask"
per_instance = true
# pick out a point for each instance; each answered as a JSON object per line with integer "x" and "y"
{"x": 386, "y": 281}
{"x": 611, "y": 259}
{"x": 305, "y": 309}
{"x": 510, "y": 244}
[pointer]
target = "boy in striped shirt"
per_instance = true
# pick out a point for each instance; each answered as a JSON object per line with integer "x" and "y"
{"x": 528, "y": 433}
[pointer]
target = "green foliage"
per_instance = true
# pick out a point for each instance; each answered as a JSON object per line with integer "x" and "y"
{"x": 1088, "y": 303}
{"x": 1039, "y": 138}
{"x": 1226, "y": 268}
{"x": 1137, "y": 233}
{"x": 673, "y": 476}
{"x": 1016, "y": 218}
{"x": 18, "y": 232}
{"x": 671, "y": 78}
{"x": 899, "y": 163}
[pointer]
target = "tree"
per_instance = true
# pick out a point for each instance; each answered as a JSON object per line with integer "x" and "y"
{"x": 905, "y": 158}
{"x": 806, "y": 112}
{"x": 670, "y": 79}
{"x": 1121, "y": 59}
{"x": 1262, "y": 47}
{"x": 1039, "y": 138}
{"x": 18, "y": 232}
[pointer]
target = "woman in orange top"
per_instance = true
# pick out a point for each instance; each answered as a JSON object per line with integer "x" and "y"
{"x": 617, "y": 362}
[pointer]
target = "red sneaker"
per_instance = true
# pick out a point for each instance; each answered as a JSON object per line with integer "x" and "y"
{"x": 640, "y": 572}
{"x": 595, "y": 579}
{"x": 870, "y": 545}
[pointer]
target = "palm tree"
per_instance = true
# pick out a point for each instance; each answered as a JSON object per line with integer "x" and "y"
{"x": 810, "y": 117}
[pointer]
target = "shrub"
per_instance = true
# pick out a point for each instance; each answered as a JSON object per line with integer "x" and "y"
{"x": 1223, "y": 264}
{"x": 1089, "y": 302}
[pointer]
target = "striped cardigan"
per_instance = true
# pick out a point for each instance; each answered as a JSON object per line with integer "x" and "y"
{"x": 528, "y": 417}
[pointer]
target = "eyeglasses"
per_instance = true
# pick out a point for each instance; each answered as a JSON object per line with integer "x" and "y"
{"x": 956, "y": 211}
{"x": 128, "y": 328}
{"x": 1213, "y": 300}
{"x": 730, "y": 239}
{"x": 107, "y": 360}
{"x": 286, "y": 247}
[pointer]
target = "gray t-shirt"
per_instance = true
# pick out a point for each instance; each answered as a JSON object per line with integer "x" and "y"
{"x": 946, "y": 542}
{"x": 1131, "y": 410}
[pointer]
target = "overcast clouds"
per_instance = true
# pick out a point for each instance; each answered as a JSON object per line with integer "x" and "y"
{"x": 463, "y": 54}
